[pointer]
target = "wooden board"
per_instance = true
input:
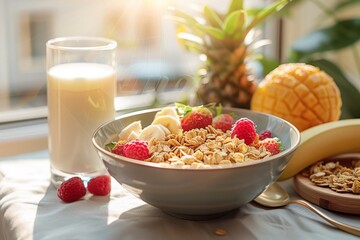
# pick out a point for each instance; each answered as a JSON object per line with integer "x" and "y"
{"x": 325, "y": 197}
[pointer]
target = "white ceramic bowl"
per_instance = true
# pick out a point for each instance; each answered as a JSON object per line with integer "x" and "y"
{"x": 196, "y": 193}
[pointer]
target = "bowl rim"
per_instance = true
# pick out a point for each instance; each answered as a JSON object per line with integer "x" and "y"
{"x": 120, "y": 158}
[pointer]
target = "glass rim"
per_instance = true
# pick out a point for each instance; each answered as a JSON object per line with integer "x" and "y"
{"x": 104, "y": 43}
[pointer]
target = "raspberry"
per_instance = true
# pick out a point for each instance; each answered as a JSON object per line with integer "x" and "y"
{"x": 244, "y": 128}
{"x": 100, "y": 185}
{"x": 71, "y": 190}
{"x": 271, "y": 144}
{"x": 224, "y": 122}
{"x": 136, "y": 149}
{"x": 264, "y": 134}
{"x": 118, "y": 149}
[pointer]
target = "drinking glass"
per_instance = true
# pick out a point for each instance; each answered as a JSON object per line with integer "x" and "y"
{"x": 81, "y": 89}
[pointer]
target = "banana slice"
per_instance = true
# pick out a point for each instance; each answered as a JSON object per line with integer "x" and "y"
{"x": 167, "y": 111}
{"x": 132, "y": 136}
{"x": 133, "y": 127}
{"x": 152, "y": 131}
{"x": 169, "y": 122}
{"x": 165, "y": 129}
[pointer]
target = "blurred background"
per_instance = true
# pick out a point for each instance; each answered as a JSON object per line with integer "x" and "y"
{"x": 151, "y": 62}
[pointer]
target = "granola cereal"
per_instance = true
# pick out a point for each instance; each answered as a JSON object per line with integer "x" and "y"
{"x": 337, "y": 177}
{"x": 177, "y": 138}
{"x": 200, "y": 148}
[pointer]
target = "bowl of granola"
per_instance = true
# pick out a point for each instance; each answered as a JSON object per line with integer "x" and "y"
{"x": 193, "y": 163}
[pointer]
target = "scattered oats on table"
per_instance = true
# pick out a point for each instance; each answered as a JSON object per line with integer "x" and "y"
{"x": 337, "y": 177}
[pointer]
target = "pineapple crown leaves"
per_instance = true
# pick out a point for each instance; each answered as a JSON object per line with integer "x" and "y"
{"x": 227, "y": 30}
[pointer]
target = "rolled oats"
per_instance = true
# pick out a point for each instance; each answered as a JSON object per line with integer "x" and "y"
{"x": 200, "y": 148}
{"x": 337, "y": 177}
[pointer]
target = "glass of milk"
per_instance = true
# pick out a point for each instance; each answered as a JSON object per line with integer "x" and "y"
{"x": 81, "y": 89}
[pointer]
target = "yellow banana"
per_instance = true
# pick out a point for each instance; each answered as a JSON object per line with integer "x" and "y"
{"x": 165, "y": 129}
{"x": 132, "y": 136}
{"x": 323, "y": 141}
{"x": 169, "y": 122}
{"x": 167, "y": 111}
{"x": 152, "y": 131}
{"x": 133, "y": 127}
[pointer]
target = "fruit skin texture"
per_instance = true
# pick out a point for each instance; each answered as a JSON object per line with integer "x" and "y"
{"x": 100, "y": 186}
{"x": 197, "y": 117}
{"x": 224, "y": 122}
{"x": 271, "y": 144}
{"x": 264, "y": 134}
{"x": 118, "y": 149}
{"x": 244, "y": 128}
{"x": 71, "y": 190}
{"x": 136, "y": 149}
{"x": 299, "y": 93}
{"x": 324, "y": 141}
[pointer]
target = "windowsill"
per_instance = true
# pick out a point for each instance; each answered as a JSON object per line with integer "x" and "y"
{"x": 26, "y": 130}
{"x": 25, "y": 114}
{"x": 29, "y": 136}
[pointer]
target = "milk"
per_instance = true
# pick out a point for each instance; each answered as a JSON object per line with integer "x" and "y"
{"x": 80, "y": 98}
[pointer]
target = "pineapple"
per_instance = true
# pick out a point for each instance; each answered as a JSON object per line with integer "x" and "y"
{"x": 227, "y": 41}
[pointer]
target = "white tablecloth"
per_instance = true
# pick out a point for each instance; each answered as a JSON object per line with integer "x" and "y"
{"x": 30, "y": 209}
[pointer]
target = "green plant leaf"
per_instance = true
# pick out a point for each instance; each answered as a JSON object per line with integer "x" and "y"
{"x": 253, "y": 11}
{"x": 212, "y": 17}
{"x": 349, "y": 94}
{"x": 186, "y": 21}
{"x": 190, "y": 38}
{"x": 235, "y": 5}
{"x": 217, "y": 33}
{"x": 234, "y": 23}
{"x": 341, "y": 35}
{"x": 263, "y": 14}
{"x": 189, "y": 19}
{"x": 192, "y": 46}
{"x": 345, "y": 4}
{"x": 268, "y": 64}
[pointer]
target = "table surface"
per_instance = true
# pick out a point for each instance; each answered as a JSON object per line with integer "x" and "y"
{"x": 30, "y": 209}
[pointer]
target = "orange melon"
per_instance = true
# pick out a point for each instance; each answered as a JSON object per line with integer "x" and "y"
{"x": 299, "y": 93}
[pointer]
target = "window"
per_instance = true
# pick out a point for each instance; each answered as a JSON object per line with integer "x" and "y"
{"x": 150, "y": 61}
{"x": 147, "y": 50}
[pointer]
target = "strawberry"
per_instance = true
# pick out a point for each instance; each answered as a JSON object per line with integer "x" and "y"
{"x": 272, "y": 145}
{"x": 244, "y": 128}
{"x": 223, "y": 121}
{"x": 100, "y": 185}
{"x": 194, "y": 117}
{"x": 136, "y": 149}
{"x": 264, "y": 134}
{"x": 71, "y": 190}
